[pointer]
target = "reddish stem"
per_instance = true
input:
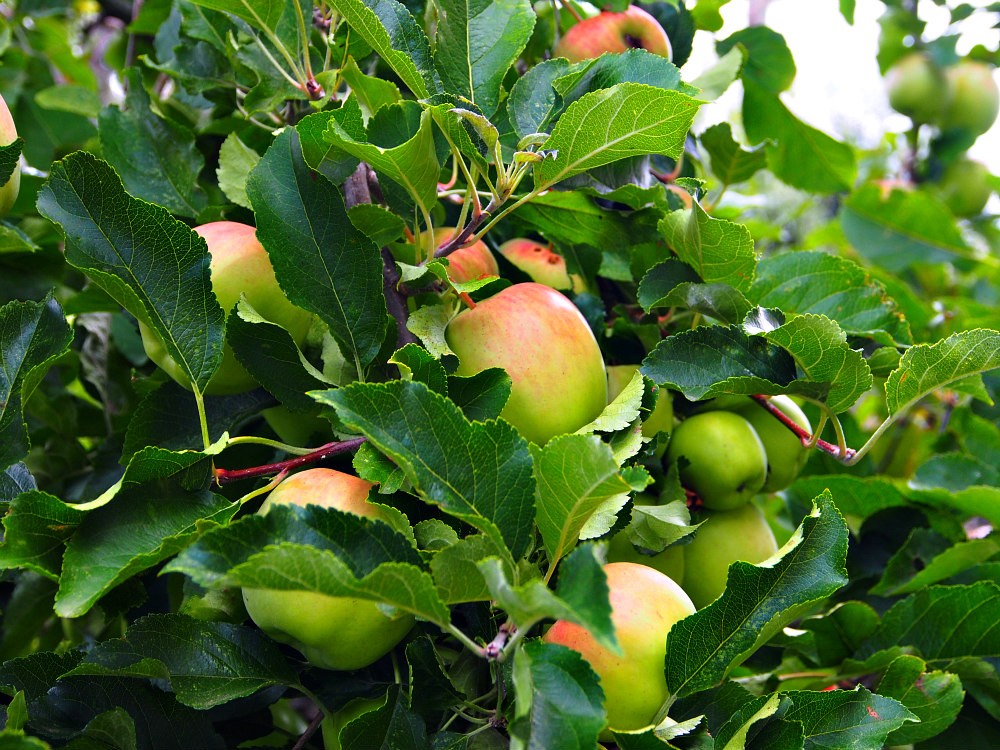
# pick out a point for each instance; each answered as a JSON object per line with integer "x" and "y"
{"x": 224, "y": 476}
{"x": 802, "y": 434}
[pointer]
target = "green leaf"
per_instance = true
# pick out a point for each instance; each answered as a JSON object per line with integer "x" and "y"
{"x": 156, "y": 158}
{"x": 481, "y": 396}
{"x": 718, "y": 78}
{"x": 393, "y": 33}
{"x": 558, "y": 699}
{"x": 798, "y": 154}
{"x": 815, "y": 282}
{"x": 260, "y": 14}
{"x": 322, "y": 262}
{"x": 719, "y": 250}
{"x": 925, "y": 368}
{"x": 391, "y": 725}
{"x": 730, "y": 163}
{"x": 927, "y": 558}
{"x": 151, "y": 263}
{"x": 32, "y": 336}
{"x": 838, "y": 633}
{"x": 480, "y": 473}
{"x": 758, "y": 601}
{"x": 574, "y": 476}
{"x": 902, "y": 228}
{"x": 416, "y": 363}
{"x": 69, "y": 97}
{"x": 733, "y": 734}
{"x": 476, "y": 42}
{"x": 14, "y": 480}
{"x": 372, "y": 93}
{"x": 533, "y": 102}
{"x": 769, "y": 61}
{"x": 236, "y": 161}
{"x": 207, "y": 663}
{"x": 629, "y": 119}
{"x": 934, "y": 697}
{"x": 379, "y": 224}
{"x": 821, "y": 351}
{"x": 113, "y": 729}
{"x": 37, "y": 526}
{"x": 572, "y": 218}
{"x": 334, "y": 163}
{"x": 845, "y": 720}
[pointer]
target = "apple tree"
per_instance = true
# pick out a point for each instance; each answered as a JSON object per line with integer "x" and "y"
{"x": 489, "y": 269}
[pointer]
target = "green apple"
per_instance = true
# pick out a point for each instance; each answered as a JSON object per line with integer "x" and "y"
{"x": 726, "y": 463}
{"x": 332, "y": 632}
{"x": 785, "y": 453}
{"x": 973, "y": 99}
{"x": 633, "y": 28}
{"x": 8, "y": 134}
{"x": 670, "y": 561}
{"x": 916, "y": 87}
{"x": 645, "y": 604}
{"x": 558, "y": 381}
{"x": 965, "y": 187}
{"x": 541, "y": 264}
{"x": 296, "y": 429}
{"x": 239, "y": 264}
{"x": 335, "y": 722}
{"x": 466, "y": 263}
{"x": 725, "y": 537}
{"x": 661, "y": 419}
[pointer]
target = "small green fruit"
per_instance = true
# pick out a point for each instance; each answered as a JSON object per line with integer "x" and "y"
{"x": 725, "y": 537}
{"x": 916, "y": 88}
{"x": 785, "y": 453}
{"x": 973, "y": 99}
{"x": 965, "y": 187}
{"x": 726, "y": 463}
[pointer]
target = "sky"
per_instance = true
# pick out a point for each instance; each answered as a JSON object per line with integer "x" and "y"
{"x": 838, "y": 88}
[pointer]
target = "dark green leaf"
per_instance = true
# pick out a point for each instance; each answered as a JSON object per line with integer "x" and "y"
{"x": 719, "y": 250}
{"x": 36, "y": 527}
{"x": 934, "y": 697}
{"x": 730, "y": 163}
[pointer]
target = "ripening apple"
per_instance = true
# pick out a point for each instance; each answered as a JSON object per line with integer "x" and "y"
{"x": 785, "y": 453}
{"x": 965, "y": 187}
{"x": 8, "y": 134}
{"x": 541, "y": 264}
{"x": 333, "y": 632}
{"x": 972, "y": 97}
{"x": 670, "y": 561}
{"x": 915, "y": 85}
{"x": 645, "y": 604}
{"x": 467, "y": 263}
{"x": 239, "y": 264}
{"x": 633, "y": 28}
{"x": 726, "y": 463}
{"x": 558, "y": 381}
{"x": 725, "y": 537}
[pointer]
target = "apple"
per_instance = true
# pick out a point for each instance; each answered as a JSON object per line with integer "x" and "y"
{"x": 661, "y": 419}
{"x": 335, "y": 722}
{"x": 670, "y": 561}
{"x": 645, "y": 604}
{"x": 541, "y": 264}
{"x": 8, "y": 134}
{"x": 333, "y": 632}
{"x": 296, "y": 429}
{"x": 965, "y": 187}
{"x": 915, "y": 85}
{"x": 972, "y": 97}
{"x": 558, "y": 381}
{"x": 726, "y": 462}
{"x": 466, "y": 263}
{"x": 633, "y": 28}
{"x": 239, "y": 264}
{"x": 785, "y": 453}
{"x": 725, "y": 537}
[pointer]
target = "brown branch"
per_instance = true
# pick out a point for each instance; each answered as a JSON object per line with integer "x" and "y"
{"x": 458, "y": 239}
{"x": 802, "y": 434}
{"x": 225, "y": 476}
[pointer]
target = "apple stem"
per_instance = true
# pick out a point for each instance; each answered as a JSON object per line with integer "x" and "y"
{"x": 225, "y": 476}
{"x": 804, "y": 435}
{"x": 572, "y": 11}
{"x": 464, "y": 296}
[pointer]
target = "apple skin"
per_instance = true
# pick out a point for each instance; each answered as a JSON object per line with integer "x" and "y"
{"x": 727, "y": 462}
{"x": 670, "y": 561}
{"x": 973, "y": 99}
{"x": 634, "y": 28}
{"x": 239, "y": 264}
{"x": 725, "y": 537}
{"x": 466, "y": 263}
{"x": 541, "y": 264}
{"x": 915, "y": 86}
{"x": 965, "y": 187}
{"x": 785, "y": 453}
{"x": 558, "y": 381}
{"x": 645, "y": 604}
{"x": 8, "y": 134}
{"x": 332, "y": 632}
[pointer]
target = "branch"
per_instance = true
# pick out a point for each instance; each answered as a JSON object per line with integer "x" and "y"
{"x": 459, "y": 238}
{"x": 224, "y": 476}
{"x": 802, "y": 434}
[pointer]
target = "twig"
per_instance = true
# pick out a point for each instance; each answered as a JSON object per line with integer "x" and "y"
{"x": 310, "y": 731}
{"x": 225, "y": 476}
{"x": 494, "y": 649}
{"x": 804, "y": 435}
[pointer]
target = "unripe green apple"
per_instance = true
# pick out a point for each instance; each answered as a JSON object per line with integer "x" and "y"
{"x": 661, "y": 419}
{"x": 645, "y": 604}
{"x": 558, "y": 382}
{"x": 467, "y": 263}
{"x": 634, "y": 28}
{"x": 972, "y": 96}
{"x": 239, "y": 264}
{"x": 726, "y": 463}
{"x": 785, "y": 453}
{"x": 965, "y": 187}
{"x": 8, "y": 134}
{"x": 725, "y": 537}
{"x": 670, "y": 561}
{"x": 541, "y": 264}
{"x": 916, "y": 87}
{"x": 333, "y": 632}
{"x": 296, "y": 429}
{"x": 335, "y": 722}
